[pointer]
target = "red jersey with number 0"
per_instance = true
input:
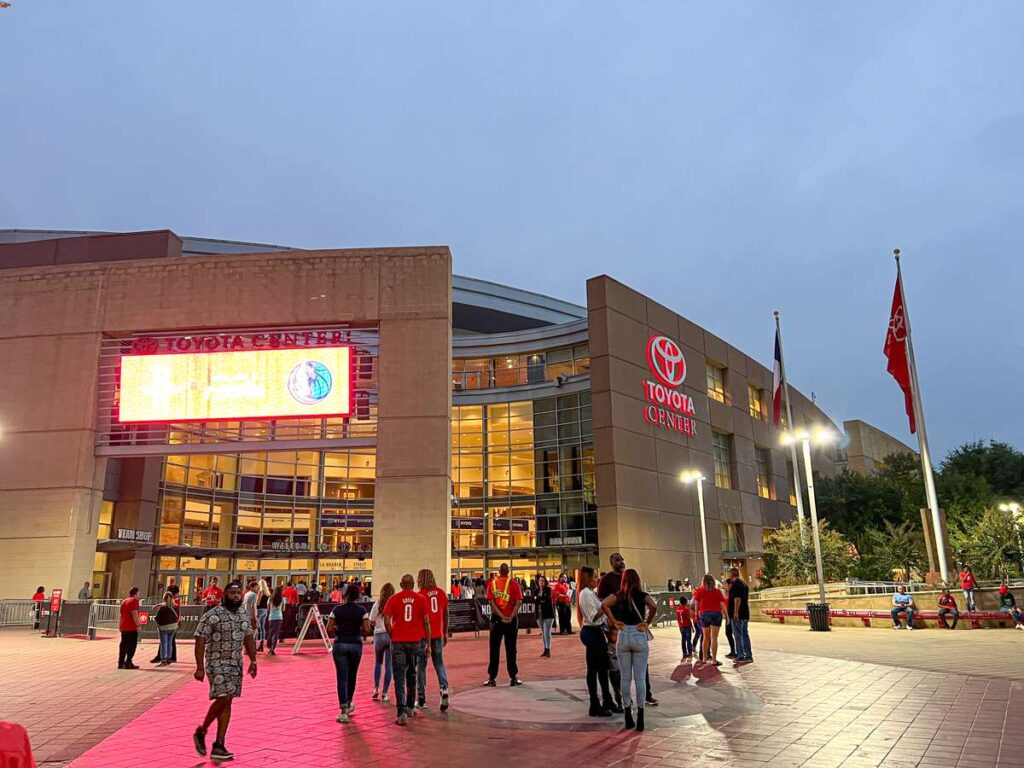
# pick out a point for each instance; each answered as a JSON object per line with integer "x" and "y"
{"x": 406, "y": 609}
{"x": 437, "y": 602}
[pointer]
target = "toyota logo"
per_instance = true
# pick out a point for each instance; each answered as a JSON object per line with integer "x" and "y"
{"x": 665, "y": 359}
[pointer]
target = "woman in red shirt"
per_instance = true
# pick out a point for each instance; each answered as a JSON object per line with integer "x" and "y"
{"x": 710, "y": 609}
{"x": 968, "y": 585}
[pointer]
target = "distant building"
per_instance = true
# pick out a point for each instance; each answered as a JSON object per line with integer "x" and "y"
{"x": 867, "y": 448}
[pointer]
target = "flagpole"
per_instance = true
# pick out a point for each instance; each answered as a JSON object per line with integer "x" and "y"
{"x": 922, "y": 437}
{"x": 789, "y": 421}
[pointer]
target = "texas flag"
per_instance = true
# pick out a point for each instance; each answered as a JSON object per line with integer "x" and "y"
{"x": 777, "y": 382}
{"x": 896, "y": 350}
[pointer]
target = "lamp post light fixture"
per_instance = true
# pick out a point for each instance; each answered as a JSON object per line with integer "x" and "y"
{"x": 694, "y": 476}
{"x": 1017, "y": 511}
{"x": 820, "y": 436}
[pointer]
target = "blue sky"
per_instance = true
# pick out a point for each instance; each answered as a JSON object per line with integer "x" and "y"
{"x": 725, "y": 159}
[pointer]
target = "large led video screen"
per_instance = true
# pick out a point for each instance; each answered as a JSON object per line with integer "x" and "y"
{"x": 217, "y": 386}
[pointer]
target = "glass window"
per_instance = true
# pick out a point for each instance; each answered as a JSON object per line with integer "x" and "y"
{"x": 764, "y": 474}
{"x": 732, "y": 537}
{"x": 716, "y": 382}
{"x": 721, "y": 449}
{"x": 755, "y": 398}
{"x": 559, "y": 363}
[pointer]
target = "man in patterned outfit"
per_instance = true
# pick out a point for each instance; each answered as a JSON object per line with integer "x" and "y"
{"x": 220, "y": 636}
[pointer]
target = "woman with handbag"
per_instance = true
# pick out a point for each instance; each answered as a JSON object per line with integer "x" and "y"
{"x": 631, "y": 611}
{"x": 592, "y": 622}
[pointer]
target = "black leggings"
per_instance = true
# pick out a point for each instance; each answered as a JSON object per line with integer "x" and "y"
{"x": 597, "y": 663}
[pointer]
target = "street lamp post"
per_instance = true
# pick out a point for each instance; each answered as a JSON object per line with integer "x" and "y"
{"x": 694, "y": 476}
{"x": 820, "y": 436}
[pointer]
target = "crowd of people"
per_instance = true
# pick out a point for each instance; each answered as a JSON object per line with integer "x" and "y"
{"x": 906, "y": 609}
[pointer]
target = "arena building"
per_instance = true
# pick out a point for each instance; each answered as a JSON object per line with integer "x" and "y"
{"x": 179, "y": 408}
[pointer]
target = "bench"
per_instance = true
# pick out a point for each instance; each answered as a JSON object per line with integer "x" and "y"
{"x": 974, "y": 618}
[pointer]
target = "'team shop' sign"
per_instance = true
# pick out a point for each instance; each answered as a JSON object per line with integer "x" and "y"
{"x": 668, "y": 407}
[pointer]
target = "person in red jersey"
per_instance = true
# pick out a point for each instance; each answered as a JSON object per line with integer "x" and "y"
{"x": 213, "y": 594}
{"x": 505, "y": 596}
{"x": 129, "y": 627}
{"x": 290, "y": 594}
{"x": 405, "y": 617}
{"x": 437, "y": 614}
{"x": 685, "y": 628}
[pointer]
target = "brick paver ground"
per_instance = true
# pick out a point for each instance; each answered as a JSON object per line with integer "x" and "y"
{"x": 848, "y": 699}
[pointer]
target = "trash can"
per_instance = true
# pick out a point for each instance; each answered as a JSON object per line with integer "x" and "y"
{"x": 818, "y": 615}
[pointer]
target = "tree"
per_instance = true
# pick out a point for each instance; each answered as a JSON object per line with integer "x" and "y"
{"x": 792, "y": 557}
{"x": 1000, "y": 464}
{"x": 992, "y": 545}
{"x": 856, "y": 504}
{"x": 894, "y": 548}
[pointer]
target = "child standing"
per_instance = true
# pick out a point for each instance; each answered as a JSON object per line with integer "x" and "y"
{"x": 685, "y": 622}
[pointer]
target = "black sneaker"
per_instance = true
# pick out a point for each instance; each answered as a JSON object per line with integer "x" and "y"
{"x": 651, "y": 701}
{"x": 444, "y": 700}
{"x": 515, "y": 681}
{"x": 491, "y": 682}
{"x": 220, "y": 752}
{"x": 730, "y": 655}
{"x": 129, "y": 665}
{"x": 199, "y": 740}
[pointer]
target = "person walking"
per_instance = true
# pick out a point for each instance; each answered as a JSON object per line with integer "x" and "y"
{"x": 592, "y": 622}
{"x": 349, "y": 625}
{"x": 437, "y": 615}
{"x": 545, "y": 613}
{"x": 381, "y": 643}
{"x": 631, "y": 611}
{"x": 129, "y": 627}
{"x": 167, "y": 625}
{"x": 249, "y": 602}
{"x": 968, "y": 584}
{"x": 947, "y": 608}
{"x": 275, "y": 617}
{"x": 505, "y": 596}
{"x": 711, "y": 605}
{"x": 262, "y": 611}
{"x": 561, "y": 597}
{"x": 739, "y": 615}
{"x": 405, "y": 617}
{"x": 685, "y": 622}
{"x": 222, "y": 633}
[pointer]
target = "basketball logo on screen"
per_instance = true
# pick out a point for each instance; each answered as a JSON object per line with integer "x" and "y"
{"x": 666, "y": 361}
{"x": 309, "y": 382}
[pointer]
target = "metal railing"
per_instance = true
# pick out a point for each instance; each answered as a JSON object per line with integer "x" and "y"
{"x": 104, "y": 617}
{"x": 18, "y": 613}
{"x": 854, "y": 588}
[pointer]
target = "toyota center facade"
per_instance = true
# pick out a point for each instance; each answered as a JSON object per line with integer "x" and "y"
{"x": 179, "y": 408}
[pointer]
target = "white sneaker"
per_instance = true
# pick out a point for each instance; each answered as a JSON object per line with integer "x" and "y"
{"x": 351, "y": 708}
{"x": 910, "y": 627}
{"x": 385, "y": 697}
{"x": 342, "y": 717}
{"x": 1020, "y": 626}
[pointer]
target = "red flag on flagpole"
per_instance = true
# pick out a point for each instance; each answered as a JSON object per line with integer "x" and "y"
{"x": 896, "y": 350}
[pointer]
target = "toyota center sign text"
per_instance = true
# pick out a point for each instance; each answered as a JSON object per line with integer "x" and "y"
{"x": 667, "y": 407}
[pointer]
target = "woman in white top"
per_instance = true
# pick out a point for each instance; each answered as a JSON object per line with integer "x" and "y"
{"x": 592, "y": 634}
{"x": 381, "y": 642}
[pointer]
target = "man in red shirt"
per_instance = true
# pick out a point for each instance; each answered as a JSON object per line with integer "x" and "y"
{"x": 437, "y": 615}
{"x": 405, "y": 618}
{"x": 129, "y": 627}
{"x": 505, "y": 596}
{"x": 213, "y": 594}
{"x": 560, "y": 597}
{"x": 290, "y": 594}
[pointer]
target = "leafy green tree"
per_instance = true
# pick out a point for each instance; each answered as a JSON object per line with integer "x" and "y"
{"x": 856, "y": 504}
{"x": 894, "y": 548}
{"x": 1000, "y": 464}
{"x": 792, "y": 556}
{"x": 992, "y": 545}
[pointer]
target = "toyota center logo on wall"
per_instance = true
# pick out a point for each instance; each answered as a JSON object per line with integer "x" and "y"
{"x": 666, "y": 361}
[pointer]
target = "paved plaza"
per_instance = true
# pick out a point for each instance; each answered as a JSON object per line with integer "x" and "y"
{"x": 851, "y": 698}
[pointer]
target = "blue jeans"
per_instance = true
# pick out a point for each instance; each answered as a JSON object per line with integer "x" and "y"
{"x": 741, "y": 637}
{"x": 545, "y": 632}
{"x": 900, "y": 609}
{"x": 404, "y": 659}
{"x": 381, "y": 658}
{"x": 437, "y": 657}
{"x": 969, "y": 599}
{"x": 347, "y": 654}
{"x": 633, "y": 651}
{"x": 1013, "y": 613}
{"x": 261, "y": 624}
{"x": 686, "y": 632}
{"x": 167, "y": 644}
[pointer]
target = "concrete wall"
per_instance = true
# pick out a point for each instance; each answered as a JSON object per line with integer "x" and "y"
{"x": 869, "y": 446}
{"x": 55, "y": 316}
{"x": 644, "y": 511}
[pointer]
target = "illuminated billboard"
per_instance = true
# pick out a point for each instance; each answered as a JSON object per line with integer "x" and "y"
{"x": 255, "y": 384}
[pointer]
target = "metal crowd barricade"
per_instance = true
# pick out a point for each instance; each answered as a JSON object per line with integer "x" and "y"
{"x": 103, "y": 617}
{"x": 17, "y": 613}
